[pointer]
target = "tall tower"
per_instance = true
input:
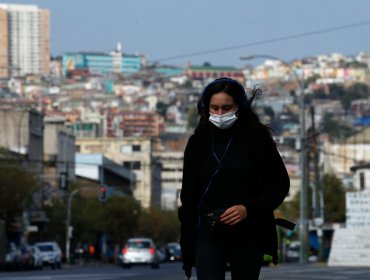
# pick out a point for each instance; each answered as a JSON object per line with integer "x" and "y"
{"x": 27, "y": 40}
{"x": 117, "y": 59}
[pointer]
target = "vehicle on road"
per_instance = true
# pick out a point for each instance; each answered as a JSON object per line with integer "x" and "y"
{"x": 12, "y": 256}
{"x": 3, "y": 243}
{"x": 173, "y": 251}
{"x": 162, "y": 254}
{"x": 24, "y": 260}
{"x": 37, "y": 257}
{"x": 51, "y": 254}
{"x": 140, "y": 251}
{"x": 292, "y": 252}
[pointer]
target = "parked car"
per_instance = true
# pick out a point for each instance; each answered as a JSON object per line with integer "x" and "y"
{"x": 25, "y": 259}
{"x": 173, "y": 251}
{"x": 162, "y": 254}
{"x": 37, "y": 257}
{"x": 51, "y": 253}
{"x": 292, "y": 252}
{"x": 140, "y": 251}
{"x": 11, "y": 258}
{"x": 3, "y": 243}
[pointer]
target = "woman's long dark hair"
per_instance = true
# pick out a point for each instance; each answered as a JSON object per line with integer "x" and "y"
{"x": 246, "y": 113}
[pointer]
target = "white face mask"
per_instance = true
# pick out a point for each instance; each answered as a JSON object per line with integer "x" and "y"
{"x": 223, "y": 121}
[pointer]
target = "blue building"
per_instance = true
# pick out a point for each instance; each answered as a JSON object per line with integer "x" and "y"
{"x": 169, "y": 71}
{"x": 102, "y": 63}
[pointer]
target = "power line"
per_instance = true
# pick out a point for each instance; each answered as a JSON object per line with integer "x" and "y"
{"x": 267, "y": 41}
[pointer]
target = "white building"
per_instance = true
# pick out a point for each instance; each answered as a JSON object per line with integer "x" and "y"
{"x": 361, "y": 177}
{"x": 170, "y": 177}
{"x": 340, "y": 157}
{"x": 25, "y": 32}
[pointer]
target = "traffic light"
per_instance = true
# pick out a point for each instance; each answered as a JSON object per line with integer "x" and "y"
{"x": 103, "y": 193}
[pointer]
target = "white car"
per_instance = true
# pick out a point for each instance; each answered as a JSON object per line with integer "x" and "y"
{"x": 51, "y": 253}
{"x": 37, "y": 257}
{"x": 140, "y": 251}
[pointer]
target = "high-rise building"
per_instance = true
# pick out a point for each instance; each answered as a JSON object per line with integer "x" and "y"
{"x": 24, "y": 40}
{"x": 4, "y": 65}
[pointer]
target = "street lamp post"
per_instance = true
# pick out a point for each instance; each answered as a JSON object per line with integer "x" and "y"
{"x": 19, "y": 129}
{"x": 68, "y": 226}
{"x": 303, "y": 221}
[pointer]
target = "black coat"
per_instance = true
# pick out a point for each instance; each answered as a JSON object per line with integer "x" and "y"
{"x": 261, "y": 183}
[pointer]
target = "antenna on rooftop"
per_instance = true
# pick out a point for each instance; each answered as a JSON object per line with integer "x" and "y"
{"x": 119, "y": 47}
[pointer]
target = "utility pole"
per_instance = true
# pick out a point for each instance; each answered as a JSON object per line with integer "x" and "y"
{"x": 303, "y": 220}
{"x": 318, "y": 217}
{"x": 68, "y": 226}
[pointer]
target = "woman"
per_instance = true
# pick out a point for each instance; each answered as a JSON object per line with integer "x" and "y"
{"x": 233, "y": 180}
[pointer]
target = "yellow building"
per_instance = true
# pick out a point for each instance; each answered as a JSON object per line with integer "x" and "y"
{"x": 134, "y": 153}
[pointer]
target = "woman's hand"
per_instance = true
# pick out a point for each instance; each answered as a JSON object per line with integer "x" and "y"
{"x": 233, "y": 215}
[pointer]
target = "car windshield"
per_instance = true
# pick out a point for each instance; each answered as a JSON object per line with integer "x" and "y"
{"x": 45, "y": 248}
{"x": 138, "y": 245}
{"x": 174, "y": 250}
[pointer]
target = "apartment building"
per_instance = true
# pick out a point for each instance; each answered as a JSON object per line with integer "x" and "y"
{"x": 213, "y": 72}
{"x": 170, "y": 165}
{"x": 339, "y": 158}
{"x": 59, "y": 156}
{"x": 146, "y": 124}
{"x": 133, "y": 153}
{"x": 102, "y": 63}
{"x": 24, "y": 40}
{"x": 134, "y": 123}
{"x": 4, "y": 65}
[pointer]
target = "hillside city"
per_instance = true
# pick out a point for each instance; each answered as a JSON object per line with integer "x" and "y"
{"x": 113, "y": 124}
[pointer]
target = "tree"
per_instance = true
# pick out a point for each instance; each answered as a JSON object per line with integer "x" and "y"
{"x": 162, "y": 108}
{"x": 56, "y": 228}
{"x": 87, "y": 218}
{"x": 355, "y": 91}
{"x": 162, "y": 226}
{"x": 335, "y": 128}
{"x": 121, "y": 217}
{"x": 336, "y": 91}
{"x": 192, "y": 117}
{"x": 290, "y": 210}
{"x": 334, "y": 199}
{"x": 17, "y": 187}
{"x": 267, "y": 110}
{"x": 311, "y": 79}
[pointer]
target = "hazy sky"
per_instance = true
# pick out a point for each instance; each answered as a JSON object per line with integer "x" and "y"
{"x": 177, "y": 28}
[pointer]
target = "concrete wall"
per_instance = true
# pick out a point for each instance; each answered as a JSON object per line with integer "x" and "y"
{"x": 14, "y": 130}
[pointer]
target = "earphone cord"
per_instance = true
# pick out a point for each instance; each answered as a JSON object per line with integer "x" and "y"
{"x": 219, "y": 161}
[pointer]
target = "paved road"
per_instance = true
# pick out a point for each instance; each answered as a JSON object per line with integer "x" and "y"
{"x": 314, "y": 272}
{"x": 172, "y": 271}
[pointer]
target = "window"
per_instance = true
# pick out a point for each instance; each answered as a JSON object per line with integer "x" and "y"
{"x": 138, "y": 244}
{"x": 136, "y": 148}
{"x": 126, "y": 149}
{"x": 130, "y": 148}
{"x": 362, "y": 181}
{"x": 132, "y": 165}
